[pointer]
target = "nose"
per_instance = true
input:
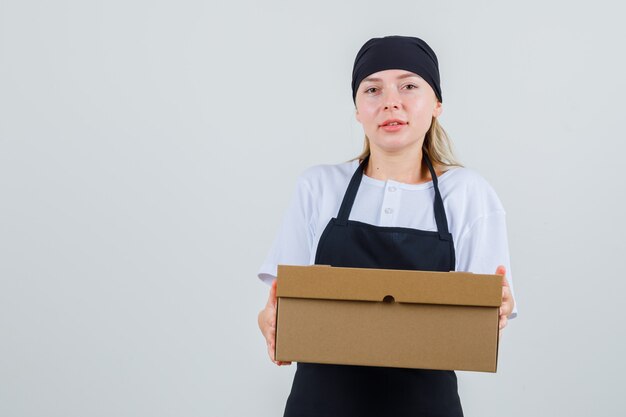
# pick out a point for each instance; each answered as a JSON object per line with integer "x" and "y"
{"x": 392, "y": 101}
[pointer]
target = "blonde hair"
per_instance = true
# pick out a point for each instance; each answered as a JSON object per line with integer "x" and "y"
{"x": 437, "y": 145}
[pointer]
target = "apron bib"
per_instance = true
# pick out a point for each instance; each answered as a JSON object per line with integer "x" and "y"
{"x": 321, "y": 390}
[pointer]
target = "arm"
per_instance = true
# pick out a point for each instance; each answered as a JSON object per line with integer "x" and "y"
{"x": 291, "y": 246}
{"x": 482, "y": 249}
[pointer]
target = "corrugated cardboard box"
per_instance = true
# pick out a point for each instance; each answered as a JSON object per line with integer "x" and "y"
{"x": 382, "y": 317}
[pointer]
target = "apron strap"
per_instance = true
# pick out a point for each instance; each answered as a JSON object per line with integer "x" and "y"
{"x": 440, "y": 212}
{"x": 350, "y": 196}
{"x": 353, "y": 188}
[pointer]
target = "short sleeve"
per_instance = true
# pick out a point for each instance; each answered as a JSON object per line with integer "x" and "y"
{"x": 484, "y": 246}
{"x": 294, "y": 240}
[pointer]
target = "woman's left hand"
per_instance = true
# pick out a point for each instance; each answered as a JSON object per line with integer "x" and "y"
{"x": 507, "y": 299}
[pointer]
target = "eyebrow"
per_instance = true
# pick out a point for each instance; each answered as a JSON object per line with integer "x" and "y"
{"x": 400, "y": 77}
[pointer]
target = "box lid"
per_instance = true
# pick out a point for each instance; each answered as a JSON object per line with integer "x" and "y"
{"x": 369, "y": 284}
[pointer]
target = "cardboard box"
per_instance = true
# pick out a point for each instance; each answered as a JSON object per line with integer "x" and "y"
{"x": 382, "y": 317}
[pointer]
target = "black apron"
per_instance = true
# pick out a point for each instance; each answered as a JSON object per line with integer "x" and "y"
{"x": 321, "y": 390}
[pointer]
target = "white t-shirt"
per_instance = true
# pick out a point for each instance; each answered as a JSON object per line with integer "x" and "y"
{"x": 476, "y": 218}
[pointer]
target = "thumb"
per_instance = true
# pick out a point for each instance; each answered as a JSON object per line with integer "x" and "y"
{"x": 501, "y": 270}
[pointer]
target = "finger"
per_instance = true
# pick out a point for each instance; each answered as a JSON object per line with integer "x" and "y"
{"x": 503, "y": 322}
{"x": 506, "y": 292}
{"x": 501, "y": 270}
{"x": 506, "y": 295}
{"x": 270, "y": 317}
{"x": 271, "y": 350}
{"x": 271, "y": 323}
{"x": 508, "y": 303}
{"x": 270, "y": 335}
{"x": 505, "y": 282}
{"x": 506, "y": 308}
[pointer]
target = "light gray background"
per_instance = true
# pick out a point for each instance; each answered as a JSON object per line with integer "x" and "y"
{"x": 148, "y": 150}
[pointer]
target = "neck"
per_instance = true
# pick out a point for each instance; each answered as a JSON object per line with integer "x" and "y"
{"x": 405, "y": 167}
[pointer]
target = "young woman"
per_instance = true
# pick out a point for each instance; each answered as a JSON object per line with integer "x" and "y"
{"x": 443, "y": 217}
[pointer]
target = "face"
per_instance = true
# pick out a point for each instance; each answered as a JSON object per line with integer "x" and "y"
{"x": 396, "y": 108}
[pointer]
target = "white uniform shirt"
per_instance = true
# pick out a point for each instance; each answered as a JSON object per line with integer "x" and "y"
{"x": 476, "y": 218}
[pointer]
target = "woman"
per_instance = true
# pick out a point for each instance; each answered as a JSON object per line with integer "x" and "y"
{"x": 444, "y": 217}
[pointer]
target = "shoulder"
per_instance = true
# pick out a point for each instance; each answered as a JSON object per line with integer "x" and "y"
{"x": 469, "y": 188}
{"x": 320, "y": 177}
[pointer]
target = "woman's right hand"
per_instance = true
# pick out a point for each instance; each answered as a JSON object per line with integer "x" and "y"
{"x": 267, "y": 324}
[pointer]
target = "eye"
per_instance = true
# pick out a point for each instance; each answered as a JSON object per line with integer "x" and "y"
{"x": 410, "y": 86}
{"x": 371, "y": 90}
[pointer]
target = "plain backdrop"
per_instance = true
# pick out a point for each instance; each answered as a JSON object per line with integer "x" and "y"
{"x": 148, "y": 150}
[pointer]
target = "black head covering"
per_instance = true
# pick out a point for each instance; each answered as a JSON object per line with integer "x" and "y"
{"x": 396, "y": 52}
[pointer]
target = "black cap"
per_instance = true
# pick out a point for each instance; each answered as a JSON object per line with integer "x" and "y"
{"x": 396, "y": 52}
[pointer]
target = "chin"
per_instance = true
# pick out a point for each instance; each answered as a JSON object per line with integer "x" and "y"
{"x": 395, "y": 145}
